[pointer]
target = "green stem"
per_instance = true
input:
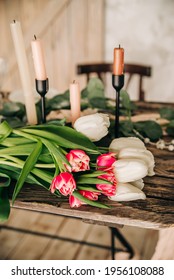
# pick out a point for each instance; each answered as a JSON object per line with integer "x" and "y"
{"x": 19, "y": 164}
{"x": 5, "y": 162}
{"x": 25, "y": 135}
{"x": 45, "y": 165}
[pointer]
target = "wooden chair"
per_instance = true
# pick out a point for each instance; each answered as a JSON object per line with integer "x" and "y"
{"x": 131, "y": 69}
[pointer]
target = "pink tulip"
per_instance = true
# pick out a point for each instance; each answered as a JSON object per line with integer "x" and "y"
{"x": 105, "y": 161}
{"x": 74, "y": 202}
{"x": 64, "y": 182}
{"x": 90, "y": 195}
{"x": 78, "y": 160}
{"x": 108, "y": 189}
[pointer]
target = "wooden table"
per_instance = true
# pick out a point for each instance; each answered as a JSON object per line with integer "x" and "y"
{"x": 156, "y": 212}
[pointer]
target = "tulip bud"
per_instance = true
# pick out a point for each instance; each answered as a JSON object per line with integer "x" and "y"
{"x": 78, "y": 160}
{"x": 144, "y": 155}
{"x": 129, "y": 170}
{"x": 127, "y": 192}
{"x": 125, "y": 142}
{"x": 94, "y": 126}
{"x": 133, "y": 148}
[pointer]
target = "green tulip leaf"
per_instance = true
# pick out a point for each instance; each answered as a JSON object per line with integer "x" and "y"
{"x": 4, "y": 180}
{"x": 63, "y": 136}
{"x": 4, "y": 204}
{"x": 5, "y": 130}
{"x": 86, "y": 180}
{"x": 89, "y": 202}
{"x": 28, "y": 166}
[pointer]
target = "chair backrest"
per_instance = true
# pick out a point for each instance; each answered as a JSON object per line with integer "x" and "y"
{"x": 131, "y": 69}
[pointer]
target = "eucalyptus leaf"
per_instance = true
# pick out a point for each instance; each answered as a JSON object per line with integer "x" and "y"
{"x": 59, "y": 102}
{"x": 170, "y": 128}
{"x": 126, "y": 128}
{"x": 10, "y": 109}
{"x": 125, "y": 99}
{"x": 14, "y": 122}
{"x": 150, "y": 129}
{"x": 84, "y": 93}
{"x": 95, "y": 90}
{"x": 167, "y": 113}
{"x": 96, "y": 102}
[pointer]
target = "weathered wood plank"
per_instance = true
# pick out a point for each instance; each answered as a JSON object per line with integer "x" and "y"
{"x": 9, "y": 245}
{"x": 44, "y": 224}
{"x": 149, "y": 213}
{"x": 60, "y": 249}
{"x": 99, "y": 235}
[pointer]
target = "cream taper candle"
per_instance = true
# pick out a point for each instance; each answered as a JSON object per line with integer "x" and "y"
{"x": 74, "y": 101}
{"x": 24, "y": 71}
{"x": 38, "y": 59}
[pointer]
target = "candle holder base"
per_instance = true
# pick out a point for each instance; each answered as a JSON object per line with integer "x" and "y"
{"x": 117, "y": 83}
{"x": 42, "y": 87}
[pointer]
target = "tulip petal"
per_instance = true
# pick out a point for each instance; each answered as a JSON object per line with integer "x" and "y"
{"x": 93, "y": 126}
{"x": 138, "y": 184}
{"x": 127, "y": 192}
{"x": 137, "y": 153}
{"x": 124, "y": 142}
{"x": 129, "y": 170}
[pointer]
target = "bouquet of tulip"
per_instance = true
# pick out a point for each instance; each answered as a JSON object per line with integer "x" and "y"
{"x": 66, "y": 162}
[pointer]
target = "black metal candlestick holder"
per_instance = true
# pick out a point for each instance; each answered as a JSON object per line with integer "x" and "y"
{"x": 42, "y": 87}
{"x": 117, "y": 83}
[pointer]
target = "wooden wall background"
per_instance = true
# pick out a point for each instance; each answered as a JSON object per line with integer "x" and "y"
{"x": 71, "y": 32}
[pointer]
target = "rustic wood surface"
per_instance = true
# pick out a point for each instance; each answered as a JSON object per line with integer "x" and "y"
{"x": 16, "y": 245}
{"x": 156, "y": 212}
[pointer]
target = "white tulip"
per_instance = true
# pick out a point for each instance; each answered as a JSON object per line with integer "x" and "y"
{"x": 94, "y": 126}
{"x": 137, "y": 153}
{"x": 127, "y": 192}
{"x": 138, "y": 184}
{"x": 133, "y": 148}
{"x": 125, "y": 142}
{"x": 129, "y": 170}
